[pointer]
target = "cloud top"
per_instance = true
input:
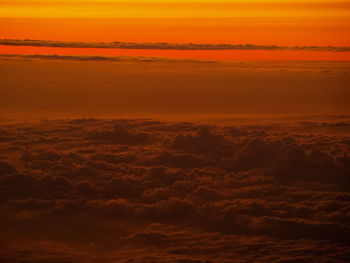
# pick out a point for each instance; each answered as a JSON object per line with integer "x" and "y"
{"x": 141, "y": 190}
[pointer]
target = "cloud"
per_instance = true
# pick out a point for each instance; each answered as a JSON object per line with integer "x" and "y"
{"x": 204, "y": 141}
{"x": 6, "y": 168}
{"x": 17, "y": 186}
{"x": 136, "y": 59}
{"x": 149, "y": 191}
{"x": 120, "y": 135}
{"x": 163, "y": 46}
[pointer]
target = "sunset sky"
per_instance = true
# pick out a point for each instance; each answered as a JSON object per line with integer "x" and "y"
{"x": 275, "y": 22}
{"x": 268, "y": 25}
{"x": 175, "y": 131}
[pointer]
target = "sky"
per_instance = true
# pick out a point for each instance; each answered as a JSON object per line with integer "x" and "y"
{"x": 286, "y": 22}
{"x": 282, "y": 23}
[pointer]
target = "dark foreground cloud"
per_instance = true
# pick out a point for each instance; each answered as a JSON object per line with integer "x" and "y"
{"x": 163, "y": 46}
{"x": 91, "y": 190}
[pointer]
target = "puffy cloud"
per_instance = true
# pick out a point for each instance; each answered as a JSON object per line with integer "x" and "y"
{"x": 120, "y": 134}
{"x": 204, "y": 141}
{"x": 6, "y": 168}
{"x": 151, "y": 191}
{"x": 17, "y": 186}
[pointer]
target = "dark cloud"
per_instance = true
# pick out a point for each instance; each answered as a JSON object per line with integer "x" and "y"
{"x": 136, "y": 59}
{"x": 162, "y": 46}
{"x": 17, "y": 186}
{"x": 6, "y": 168}
{"x": 150, "y": 191}
{"x": 204, "y": 141}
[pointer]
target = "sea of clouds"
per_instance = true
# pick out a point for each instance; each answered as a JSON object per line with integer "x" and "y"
{"x": 140, "y": 190}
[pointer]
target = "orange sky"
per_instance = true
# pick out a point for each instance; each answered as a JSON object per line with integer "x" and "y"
{"x": 280, "y": 22}
{"x": 185, "y": 54}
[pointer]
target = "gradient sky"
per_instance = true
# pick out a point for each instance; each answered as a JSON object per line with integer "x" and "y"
{"x": 282, "y": 22}
{"x": 117, "y": 153}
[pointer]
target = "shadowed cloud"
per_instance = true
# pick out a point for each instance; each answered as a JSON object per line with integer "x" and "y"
{"x": 148, "y": 191}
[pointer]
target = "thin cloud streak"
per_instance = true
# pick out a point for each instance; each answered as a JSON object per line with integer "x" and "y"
{"x": 103, "y": 58}
{"x": 166, "y": 46}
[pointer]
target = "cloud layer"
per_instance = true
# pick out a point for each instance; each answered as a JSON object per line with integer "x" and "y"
{"x": 164, "y": 46}
{"x": 91, "y": 190}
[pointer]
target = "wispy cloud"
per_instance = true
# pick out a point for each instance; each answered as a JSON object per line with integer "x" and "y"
{"x": 104, "y": 58}
{"x": 165, "y": 46}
